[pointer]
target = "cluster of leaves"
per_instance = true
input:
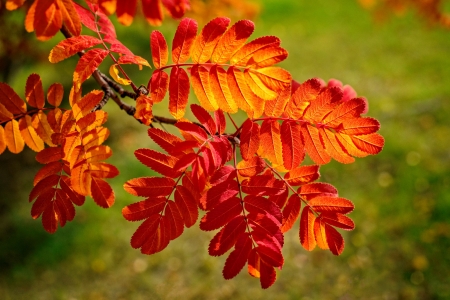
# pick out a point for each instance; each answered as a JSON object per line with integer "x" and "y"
{"x": 250, "y": 184}
{"x": 431, "y": 10}
{"x": 73, "y": 161}
{"x": 246, "y": 196}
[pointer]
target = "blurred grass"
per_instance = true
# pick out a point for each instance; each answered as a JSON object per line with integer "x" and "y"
{"x": 400, "y": 247}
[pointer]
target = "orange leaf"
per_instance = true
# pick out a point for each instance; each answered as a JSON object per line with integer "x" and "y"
{"x": 178, "y": 92}
{"x": 200, "y": 81}
{"x": 42, "y": 127}
{"x": 85, "y": 105}
{"x": 49, "y": 155}
{"x": 333, "y": 147}
{"x": 159, "y": 83}
{"x": 13, "y": 138}
{"x": 307, "y": 238}
{"x": 34, "y": 92}
{"x": 70, "y": 16}
{"x": 251, "y": 167}
{"x": 233, "y": 39}
{"x": 276, "y": 79}
{"x": 29, "y": 134}
{"x": 302, "y": 98}
{"x": 292, "y": 145}
{"x": 320, "y": 234}
{"x": 359, "y": 126}
{"x": 2, "y": 140}
{"x": 349, "y": 146}
{"x": 275, "y": 108}
{"x": 270, "y": 141}
{"x": 184, "y": 40}
{"x": 10, "y": 100}
{"x": 160, "y": 52}
{"x": 55, "y": 94}
{"x": 87, "y": 64}
{"x": 29, "y": 19}
{"x": 337, "y": 220}
{"x": 302, "y": 175}
{"x": 14, "y": 4}
{"x": 47, "y": 19}
{"x": 258, "y": 87}
{"x": 323, "y": 104}
{"x": 371, "y": 143}
{"x": 245, "y": 54}
{"x": 222, "y": 94}
{"x": 348, "y": 109}
{"x": 208, "y": 38}
{"x": 314, "y": 146}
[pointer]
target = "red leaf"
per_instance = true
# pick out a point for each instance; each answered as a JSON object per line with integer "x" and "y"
{"x": 144, "y": 209}
{"x": 43, "y": 186}
{"x": 227, "y": 236}
{"x": 348, "y": 109}
{"x": 223, "y": 174}
{"x": 102, "y": 193}
{"x": 311, "y": 190}
{"x": 249, "y": 139}
{"x": 145, "y": 231}
{"x": 331, "y": 204}
{"x": 204, "y": 118}
{"x": 258, "y": 204}
{"x": 150, "y": 186}
{"x": 176, "y": 8}
{"x": 371, "y": 143}
{"x": 270, "y": 256}
{"x": 268, "y": 275}
{"x": 11, "y": 101}
{"x": 359, "y": 126}
{"x": 183, "y": 40}
{"x": 201, "y": 84}
{"x": 220, "y": 121}
{"x": 161, "y": 163}
{"x": 86, "y": 17}
{"x": 164, "y": 139}
{"x": 159, "y": 240}
{"x": 291, "y": 212}
{"x": 238, "y": 257}
{"x": 49, "y": 169}
{"x": 320, "y": 234}
{"x": 42, "y": 201}
{"x": 87, "y": 64}
{"x": 335, "y": 240}
{"x": 152, "y": 11}
{"x": 70, "y": 17}
{"x": 178, "y": 92}
{"x": 196, "y": 131}
{"x": 208, "y": 38}
{"x": 302, "y": 98}
{"x": 307, "y": 238}
{"x": 175, "y": 220}
{"x": 292, "y": 145}
{"x": 160, "y": 51}
{"x": 125, "y": 11}
{"x": 47, "y": 20}
{"x": 187, "y": 205}
{"x": 262, "y": 185}
{"x": 337, "y": 220}
{"x": 50, "y": 218}
{"x": 333, "y": 147}
{"x": 221, "y": 214}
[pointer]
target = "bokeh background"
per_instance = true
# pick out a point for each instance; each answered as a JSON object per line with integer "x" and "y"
{"x": 400, "y": 248}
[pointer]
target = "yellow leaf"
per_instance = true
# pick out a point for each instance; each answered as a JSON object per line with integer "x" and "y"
{"x": 13, "y": 139}
{"x": 114, "y": 72}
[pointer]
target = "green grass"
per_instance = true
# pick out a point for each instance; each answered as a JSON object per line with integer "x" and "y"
{"x": 399, "y": 249}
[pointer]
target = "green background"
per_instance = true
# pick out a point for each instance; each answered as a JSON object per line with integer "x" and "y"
{"x": 400, "y": 248}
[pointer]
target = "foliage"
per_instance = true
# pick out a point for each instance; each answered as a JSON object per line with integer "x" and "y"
{"x": 251, "y": 182}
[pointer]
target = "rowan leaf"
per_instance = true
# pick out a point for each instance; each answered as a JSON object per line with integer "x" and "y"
{"x": 29, "y": 135}
{"x": 150, "y": 186}
{"x": 221, "y": 214}
{"x": 208, "y": 38}
{"x": 87, "y": 64}
{"x": 55, "y": 94}
{"x": 144, "y": 209}
{"x": 187, "y": 205}
{"x": 306, "y": 233}
{"x": 204, "y": 118}
{"x": 11, "y": 101}
{"x": 70, "y": 16}
{"x": 238, "y": 257}
{"x": 158, "y": 85}
{"x": 114, "y": 72}
{"x": 338, "y": 220}
{"x": 250, "y": 138}
{"x": 13, "y": 138}
{"x": 34, "y": 92}
{"x": 333, "y": 147}
{"x": 47, "y": 19}
{"x": 152, "y": 10}
{"x": 320, "y": 234}
{"x": 314, "y": 146}
{"x": 270, "y": 141}
{"x": 335, "y": 240}
{"x": 102, "y": 193}
{"x": 312, "y": 190}
{"x": 125, "y": 11}
{"x": 233, "y": 39}
{"x": 292, "y": 145}
{"x": 160, "y": 51}
{"x": 184, "y": 40}
{"x": 331, "y": 204}
{"x": 175, "y": 220}
{"x": 222, "y": 94}
{"x": 227, "y": 236}
{"x": 178, "y": 92}
{"x": 302, "y": 175}
{"x": 291, "y": 212}
{"x": 159, "y": 162}
{"x": 201, "y": 85}
{"x": 251, "y": 167}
